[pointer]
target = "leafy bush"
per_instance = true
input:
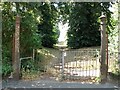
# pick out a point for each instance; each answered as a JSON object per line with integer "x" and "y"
{"x": 6, "y": 62}
{"x": 6, "y": 69}
{"x": 27, "y": 65}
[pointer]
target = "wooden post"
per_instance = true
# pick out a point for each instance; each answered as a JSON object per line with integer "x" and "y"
{"x": 15, "y": 53}
{"x": 103, "y": 66}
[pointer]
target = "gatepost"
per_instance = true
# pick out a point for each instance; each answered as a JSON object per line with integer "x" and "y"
{"x": 103, "y": 62}
{"x": 15, "y": 50}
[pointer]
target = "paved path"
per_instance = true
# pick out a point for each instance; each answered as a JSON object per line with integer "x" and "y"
{"x": 53, "y": 84}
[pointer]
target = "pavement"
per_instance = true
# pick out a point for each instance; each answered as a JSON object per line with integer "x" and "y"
{"x": 53, "y": 85}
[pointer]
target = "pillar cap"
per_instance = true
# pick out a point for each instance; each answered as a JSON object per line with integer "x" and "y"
{"x": 102, "y": 16}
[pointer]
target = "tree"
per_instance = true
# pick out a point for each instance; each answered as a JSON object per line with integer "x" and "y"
{"x": 29, "y": 39}
{"x": 48, "y": 27}
{"x": 84, "y": 24}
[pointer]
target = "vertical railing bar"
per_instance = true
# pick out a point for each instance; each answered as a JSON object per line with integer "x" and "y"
{"x": 96, "y": 63}
{"x": 67, "y": 75}
{"x": 77, "y": 64}
{"x": 58, "y": 61}
{"x": 87, "y": 63}
{"x": 84, "y": 64}
{"x": 94, "y": 59}
{"x": 80, "y": 54}
{"x": 92, "y": 64}
{"x": 60, "y": 64}
{"x": 57, "y": 64}
{"x": 90, "y": 69}
{"x": 83, "y": 61}
{"x": 74, "y": 65}
{"x": 68, "y": 69}
{"x": 67, "y": 65}
{"x": 70, "y": 65}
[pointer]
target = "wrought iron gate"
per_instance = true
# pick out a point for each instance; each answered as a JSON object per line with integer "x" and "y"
{"x": 74, "y": 64}
{"x": 79, "y": 63}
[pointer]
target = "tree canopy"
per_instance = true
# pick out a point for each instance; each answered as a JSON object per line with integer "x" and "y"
{"x": 48, "y": 28}
{"x": 84, "y": 24}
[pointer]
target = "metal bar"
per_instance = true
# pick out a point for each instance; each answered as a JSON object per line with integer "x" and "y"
{"x": 89, "y": 67}
{"x": 33, "y": 54}
{"x": 84, "y": 65}
{"x": 62, "y": 64}
{"x": 81, "y": 61}
{"x": 25, "y": 58}
{"x": 87, "y": 53}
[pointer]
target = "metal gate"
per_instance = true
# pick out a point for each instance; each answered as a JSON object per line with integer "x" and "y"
{"x": 76, "y": 64}
{"x": 73, "y": 64}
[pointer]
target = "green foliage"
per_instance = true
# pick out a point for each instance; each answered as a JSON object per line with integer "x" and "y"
{"x": 27, "y": 64}
{"x": 6, "y": 67}
{"x": 6, "y": 62}
{"x": 29, "y": 39}
{"x": 64, "y": 11}
{"x": 84, "y": 24}
{"x": 47, "y": 27}
{"x": 113, "y": 44}
{"x": 115, "y": 68}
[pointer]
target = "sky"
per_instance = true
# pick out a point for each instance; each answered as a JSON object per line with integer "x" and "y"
{"x": 63, "y": 31}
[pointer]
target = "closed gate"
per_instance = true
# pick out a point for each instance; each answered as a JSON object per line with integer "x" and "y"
{"x": 74, "y": 63}
{"x": 77, "y": 64}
